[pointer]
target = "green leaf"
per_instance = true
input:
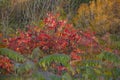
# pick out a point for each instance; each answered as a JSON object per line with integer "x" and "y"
{"x": 66, "y": 76}
{"x": 37, "y": 76}
{"x": 116, "y": 72}
{"x": 110, "y": 57}
{"x": 23, "y": 68}
{"x": 91, "y": 63}
{"x": 12, "y": 55}
{"x": 57, "y": 58}
{"x": 54, "y": 77}
{"x": 36, "y": 53}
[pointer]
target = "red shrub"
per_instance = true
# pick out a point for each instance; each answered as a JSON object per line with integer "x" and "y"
{"x": 5, "y": 64}
{"x": 57, "y": 36}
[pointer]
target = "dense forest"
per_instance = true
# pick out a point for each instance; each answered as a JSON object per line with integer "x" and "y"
{"x": 59, "y": 39}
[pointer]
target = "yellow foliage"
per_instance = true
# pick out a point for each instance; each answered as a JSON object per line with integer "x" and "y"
{"x": 99, "y": 15}
{"x": 18, "y": 1}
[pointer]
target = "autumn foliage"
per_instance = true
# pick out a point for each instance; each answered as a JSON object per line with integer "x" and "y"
{"x": 75, "y": 40}
{"x": 56, "y": 36}
{"x": 57, "y": 46}
{"x": 5, "y": 64}
{"x": 99, "y": 15}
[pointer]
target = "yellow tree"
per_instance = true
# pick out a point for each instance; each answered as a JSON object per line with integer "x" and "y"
{"x": 100, "y": 15}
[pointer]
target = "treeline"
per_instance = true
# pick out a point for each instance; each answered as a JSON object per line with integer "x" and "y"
{"x": 99, "y": 15}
